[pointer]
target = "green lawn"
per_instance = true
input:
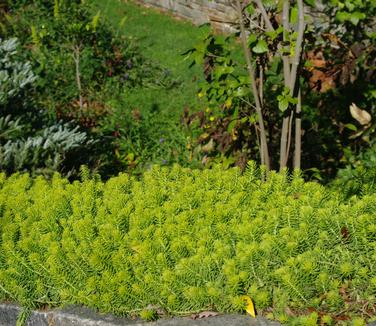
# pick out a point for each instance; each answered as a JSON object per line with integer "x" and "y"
{"x": 162, "y": 39}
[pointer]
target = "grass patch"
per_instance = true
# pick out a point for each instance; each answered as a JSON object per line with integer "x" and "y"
{"x": 162, "y": 39}
{"x": 148, "y": 118}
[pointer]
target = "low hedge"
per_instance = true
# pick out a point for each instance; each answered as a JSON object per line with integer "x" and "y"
{"x": 183, "y": 241}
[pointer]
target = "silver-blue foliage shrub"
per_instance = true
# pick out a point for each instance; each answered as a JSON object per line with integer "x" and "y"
{"x": 27, "y": 139}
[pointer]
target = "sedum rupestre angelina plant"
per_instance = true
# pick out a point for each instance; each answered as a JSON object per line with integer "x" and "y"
{"x": 180, "y": 241}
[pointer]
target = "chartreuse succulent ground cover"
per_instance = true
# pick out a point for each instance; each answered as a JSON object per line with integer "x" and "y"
{"x": 180, "y": 241}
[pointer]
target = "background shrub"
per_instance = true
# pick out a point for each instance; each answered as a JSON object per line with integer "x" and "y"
{"x": 29, "y": 140}
{"x": 337, "y": 70}
{"x": 359, "y": 176}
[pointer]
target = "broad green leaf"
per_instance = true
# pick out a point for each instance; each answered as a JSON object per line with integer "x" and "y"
{"x": 372, "y": 93}
{"x": 283, "y": 104}
{"x": 252, "y": 39}
{"x": 355, "y": 17}
{"x": 274, "y": 34}
{"x": 261, "y": 47}
{"x": 371, "y": 35}
{"x": 342, "y": 16}
{"x": 223, "y": 70}
{"x": 232, "y": 83}
{"x": 350, "y": 126}
{"x": 350, "y": 5}
{"x": 244, "y": 79}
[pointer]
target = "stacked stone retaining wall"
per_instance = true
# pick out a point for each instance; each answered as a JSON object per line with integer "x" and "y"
{"x": 218, "y": 12}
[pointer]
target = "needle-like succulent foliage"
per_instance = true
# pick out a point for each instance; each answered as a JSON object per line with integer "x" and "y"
{"x": 184, "y": 240}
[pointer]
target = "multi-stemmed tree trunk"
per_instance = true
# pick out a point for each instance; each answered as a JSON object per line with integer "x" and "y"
{"x": 291, "y": 55}
{"x": 264, "y": 151}
{"x": 291, "y": 79}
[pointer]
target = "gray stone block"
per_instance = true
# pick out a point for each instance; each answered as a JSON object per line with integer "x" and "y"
{"x": 77, "y": 316}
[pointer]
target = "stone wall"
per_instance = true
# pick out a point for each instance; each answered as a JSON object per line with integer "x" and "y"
{"x": 218, "y": 12}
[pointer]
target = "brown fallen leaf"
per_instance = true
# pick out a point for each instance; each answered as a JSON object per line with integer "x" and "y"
{"x": 160, "y": 311}
{"x": 362, "y": 116}
{"x": 289, "y": 312}
{"x": 204, "y": 314}
{"x": 322, "y": 81}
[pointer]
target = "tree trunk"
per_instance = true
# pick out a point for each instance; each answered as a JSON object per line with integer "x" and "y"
{"x": 264, "y": 151}
{"x": 291, "y": 76}
{"x": 283, "y": 158}
{"x": 298, "y": 133}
